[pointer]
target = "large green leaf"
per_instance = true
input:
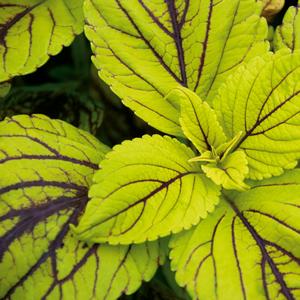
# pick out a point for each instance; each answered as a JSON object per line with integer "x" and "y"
{"x": 146, "y": 189}
{"x": 31, "y": 30}
{"x": 262, "y": 99}
{"x": 46, "y": 168}
{"x": 287, "y": 35}
{"x": 249, "y": 248}
{"x": 165, "y": 43}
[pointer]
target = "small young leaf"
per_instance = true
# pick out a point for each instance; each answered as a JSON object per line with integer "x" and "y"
{"x": 262, "y": 99}
{"x": 230, "y": 172}
{"x": 46, "y": 169}
{"x": 194, "y": 43}
{"x": 146, "y": 189}
{"x": 287, "y": 35}
{"x": 198, "y": 121}
{"x": 249, "y": 248}
{"x": 30, "y": 31}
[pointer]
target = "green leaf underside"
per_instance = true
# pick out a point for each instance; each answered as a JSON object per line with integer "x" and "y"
{"x": 193, "y": 43}
{"x": 198, "y": 121}
{"x": 287, "y": 35}
{"x": 30, "y": 31}
{"x": 230, "y": 173}
{"x": 262, "y": 100}
{"x": 249, "y": 248}
{"x": 46, "y": 168}
{"x": 146, "y": 189}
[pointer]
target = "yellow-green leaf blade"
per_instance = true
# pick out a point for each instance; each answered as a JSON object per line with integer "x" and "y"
{"x": 287, "y": 35}
{"x": 262, "y": 101}
{"x": 46, "y": 169}
{"x": 166, "y": 43}
{"x": 30, "y": 31}
{"x": 144, "y": 187}
{"x": 248, "y": 248}
{"x": 230, "y": 173}
{"x": 198, "y": 121}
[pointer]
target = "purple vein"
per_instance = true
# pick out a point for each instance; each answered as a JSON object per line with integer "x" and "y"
{"x": 143, "y": 200}
{"x": 205, "y": 44}
{"x": 260, "y": 243}
{"x": 178, "y": 40}
{"x": 160, "y": 59}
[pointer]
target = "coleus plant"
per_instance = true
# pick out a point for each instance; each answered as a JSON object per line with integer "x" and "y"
{"x": 155, "y": 186}
{"x": 222, "y": 190}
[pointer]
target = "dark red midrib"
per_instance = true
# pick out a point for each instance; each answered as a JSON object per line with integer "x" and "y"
{"x": 30, "y": 217}
{"x": 178, "y": 40}
{"x": 52, "y": 157}
{"x": 73, "y": 219}
{"x": 156, "y": 54}
{"x": 205, "y": 44}
{"x": 208, "y": 146}
{"x": 40, "y": 183}
{"x": 260, "y": 243}
{"x": 258, "y": 122}
{"x": 144, "y": 199}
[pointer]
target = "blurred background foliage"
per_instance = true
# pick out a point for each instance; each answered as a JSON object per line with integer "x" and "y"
{"x": 68, "y": 88}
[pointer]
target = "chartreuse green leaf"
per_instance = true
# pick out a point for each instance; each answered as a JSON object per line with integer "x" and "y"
{"x": 165, "y": 43}
{"x": 31, "y": 30}
{"x": 197, "y": 119}
{"x": 46, "y": 169}
{"x": 230, "y": 172}
{"x": 199, "y": 123}
{"x": 287, "y": 35}
{"x": 262, "y": 100}
{"x": 249, "y": 248}
{"x": 146, "y": 189}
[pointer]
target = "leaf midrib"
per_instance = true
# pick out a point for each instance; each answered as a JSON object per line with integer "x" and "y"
{"x": 143, "y": 200}
{"x": 260, "y": 243}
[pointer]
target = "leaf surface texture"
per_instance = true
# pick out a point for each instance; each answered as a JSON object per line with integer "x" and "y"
{"x": 248, "y": 248}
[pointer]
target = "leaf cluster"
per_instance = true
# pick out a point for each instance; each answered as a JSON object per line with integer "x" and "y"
{"x": 200, "y": 190}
